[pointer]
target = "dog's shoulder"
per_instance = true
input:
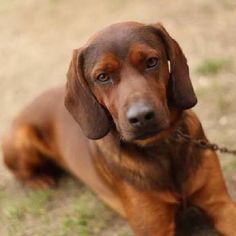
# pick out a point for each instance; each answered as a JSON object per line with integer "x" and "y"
{"x": 193, "y": 124}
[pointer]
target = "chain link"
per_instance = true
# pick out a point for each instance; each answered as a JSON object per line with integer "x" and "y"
{"x": 201, "y": 143}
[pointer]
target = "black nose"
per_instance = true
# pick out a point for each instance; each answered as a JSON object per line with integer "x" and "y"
{"x": 140, "y": 114}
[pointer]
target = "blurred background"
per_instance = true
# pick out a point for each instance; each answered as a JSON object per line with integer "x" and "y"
{"x": 36, "y": 41}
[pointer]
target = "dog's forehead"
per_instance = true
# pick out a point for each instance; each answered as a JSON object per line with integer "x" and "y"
{"x": 119, "y": 38}
{"x": 116, "y": 32}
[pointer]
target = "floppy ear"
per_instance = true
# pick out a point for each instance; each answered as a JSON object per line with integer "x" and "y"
{"x": 82, "y": 104}
{"x": 181, "y": 93}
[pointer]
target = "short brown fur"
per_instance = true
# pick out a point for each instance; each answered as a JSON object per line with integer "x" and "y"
{"x": 140, "y": 172}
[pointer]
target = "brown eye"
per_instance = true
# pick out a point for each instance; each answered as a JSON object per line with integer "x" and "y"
{"x": 151, "y": 62}
{"x": 103, "y": 78}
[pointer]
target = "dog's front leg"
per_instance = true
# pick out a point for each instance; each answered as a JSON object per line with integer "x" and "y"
{"x": 150, "y": 213}
{"x": 212, "y": 196}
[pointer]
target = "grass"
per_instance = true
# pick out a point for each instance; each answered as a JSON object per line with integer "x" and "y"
{"x": 69, "y": 210}
{"x": 212, "y": 66}
{"x": 211, "y": 69}
{"x": 35, "y": 204}
{"x": 18, "y": 209}
{"x": 85, "y": 217}
{"x": 233, "y": 165}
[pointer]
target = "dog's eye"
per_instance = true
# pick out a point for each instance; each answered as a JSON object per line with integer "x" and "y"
{"x": 103, "y": 78}
{"x": 151, "y": 62}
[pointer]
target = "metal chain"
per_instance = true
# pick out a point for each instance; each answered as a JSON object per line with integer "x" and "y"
{"x": 201, "y": 143}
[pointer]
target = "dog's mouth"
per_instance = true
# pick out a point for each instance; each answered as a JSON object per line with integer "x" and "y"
{"x": 146, "y": 135}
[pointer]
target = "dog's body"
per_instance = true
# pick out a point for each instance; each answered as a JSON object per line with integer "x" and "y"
{"x": 120, "y": 92}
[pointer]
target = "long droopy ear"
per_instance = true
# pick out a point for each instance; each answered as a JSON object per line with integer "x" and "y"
{"x": 180, "y": 89}
{"x": 81, "y": 103}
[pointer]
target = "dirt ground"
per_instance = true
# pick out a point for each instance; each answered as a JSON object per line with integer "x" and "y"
{"x": 36, "y": 41}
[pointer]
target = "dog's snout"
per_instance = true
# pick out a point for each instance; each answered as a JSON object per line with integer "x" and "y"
{"x": 140, "y": 114}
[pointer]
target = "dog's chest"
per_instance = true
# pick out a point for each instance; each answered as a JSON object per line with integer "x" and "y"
{"x": 157, "y": 168}
{"x": 165, "y": 170}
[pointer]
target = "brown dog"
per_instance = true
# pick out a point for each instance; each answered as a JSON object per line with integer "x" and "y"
{"x": 121, "y": 93}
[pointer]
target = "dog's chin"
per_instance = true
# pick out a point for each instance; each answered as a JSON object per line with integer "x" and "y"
{"x": 148, "y": 137}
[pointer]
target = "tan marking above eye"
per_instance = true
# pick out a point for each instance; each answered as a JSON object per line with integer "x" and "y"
{"x": 107, "y": 64}
{"x": 139, "y": 53}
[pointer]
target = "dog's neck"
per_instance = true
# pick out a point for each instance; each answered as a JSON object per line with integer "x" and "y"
{"x": 160, "y": 165}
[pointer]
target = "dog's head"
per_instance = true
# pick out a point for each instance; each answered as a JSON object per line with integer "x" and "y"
{"x": 121, "y": 75}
